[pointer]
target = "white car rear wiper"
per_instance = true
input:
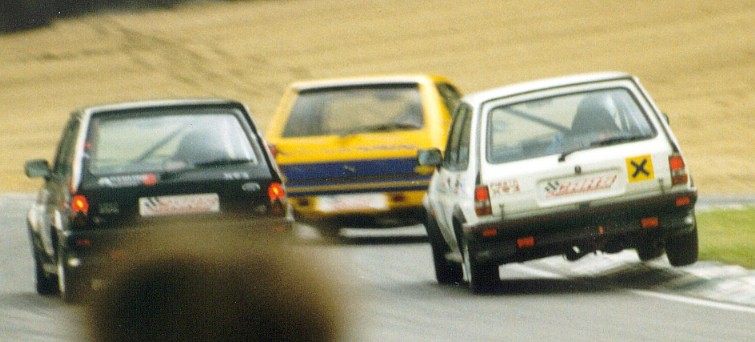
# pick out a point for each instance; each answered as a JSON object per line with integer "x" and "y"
{"x": 603, "y": 142}
{"x": 563, "y": 155}
{"x": 618, "y": 140}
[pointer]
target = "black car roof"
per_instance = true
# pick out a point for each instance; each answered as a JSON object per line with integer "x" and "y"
{"x": 163, "y": 103}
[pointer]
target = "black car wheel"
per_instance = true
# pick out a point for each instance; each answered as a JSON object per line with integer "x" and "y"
{"x": 446, "y": 272}
{"x": 71, "y": 287}
{"x": 482, "y": 277}
{"x": 682, "y": 250}
{"x": 46, "y": 284}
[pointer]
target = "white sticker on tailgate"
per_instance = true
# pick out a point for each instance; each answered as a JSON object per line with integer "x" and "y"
{"x": 352, "y": 202}
{"x": 179, "y": 204}
{"x": 558, "y": 188}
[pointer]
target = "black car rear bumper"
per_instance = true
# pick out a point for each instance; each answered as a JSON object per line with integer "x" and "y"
{"x": 90, "y": 249}
{"x": 609, "y": 228}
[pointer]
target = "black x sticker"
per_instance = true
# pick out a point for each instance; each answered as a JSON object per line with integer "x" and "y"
{"x": 640, "y": 168}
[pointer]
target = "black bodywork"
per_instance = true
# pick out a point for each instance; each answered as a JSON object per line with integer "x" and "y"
{"x": 82, "y": 219}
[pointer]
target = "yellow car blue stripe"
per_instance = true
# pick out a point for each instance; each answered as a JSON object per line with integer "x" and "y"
{"x": 352, "y": 176}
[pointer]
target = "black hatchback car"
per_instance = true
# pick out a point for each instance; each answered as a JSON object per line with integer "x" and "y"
{"x": 125, "y": 169}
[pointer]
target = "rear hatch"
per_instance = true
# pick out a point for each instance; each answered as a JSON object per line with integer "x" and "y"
{"x": 570, "y": 149}
{"x": 354, "y": 139}
{"x": 592, "y": 177}
{"x": 146, "y": 164}
{"x": 213, "y": 196}
{"x": 356, "y": 163}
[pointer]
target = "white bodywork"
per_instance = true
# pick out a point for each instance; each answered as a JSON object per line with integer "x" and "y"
{"x": 555, "y": 182}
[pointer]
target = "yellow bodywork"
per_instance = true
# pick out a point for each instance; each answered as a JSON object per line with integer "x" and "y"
{"x": 330, "y": 156}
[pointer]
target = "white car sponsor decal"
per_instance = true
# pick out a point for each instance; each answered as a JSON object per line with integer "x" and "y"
{"x": 509, "y": 186}
{"x": 578, "y": 185}
{"x": 179, "y": 204}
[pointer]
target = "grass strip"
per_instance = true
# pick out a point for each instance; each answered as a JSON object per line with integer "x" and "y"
{"x": 728, "y": 235}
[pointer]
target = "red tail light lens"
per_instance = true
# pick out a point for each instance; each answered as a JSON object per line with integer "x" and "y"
{"x": 83, "y": 243}
{"x": 79, "y": 204}
{"x": 276, "y": 192}
{"x": 79, "y": 210}
{"x": 678, "y": 169}
{"x": 525, "y": 242}
{"x": 649, "y": 222}
{"x": 682, "y": 201}
{"x": 277, "y": 196}
{"x": 482, "y": 201}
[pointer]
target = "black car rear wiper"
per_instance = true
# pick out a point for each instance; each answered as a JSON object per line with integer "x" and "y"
{"x": 222, "y": 162}
{"x": 380, "y": 128}
{"x": 196, "y": 166}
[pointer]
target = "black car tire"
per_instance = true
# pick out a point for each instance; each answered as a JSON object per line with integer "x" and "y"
{"x": 482, "y": 277}
{"x": 446, "y": 272}
{"x": 682, "y": 250}
{"x": 649, "y": 249}
{"x": 46, "y": 284}
{"x": 71, "y": 289}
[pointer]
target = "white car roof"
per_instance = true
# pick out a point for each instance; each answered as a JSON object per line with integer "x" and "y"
{"x": 477, "y": 98}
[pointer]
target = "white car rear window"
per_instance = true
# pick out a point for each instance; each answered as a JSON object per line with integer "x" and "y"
{"x": 558, "y": 125}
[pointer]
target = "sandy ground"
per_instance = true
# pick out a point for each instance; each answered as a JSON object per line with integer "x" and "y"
{"x": 697, "y": 59}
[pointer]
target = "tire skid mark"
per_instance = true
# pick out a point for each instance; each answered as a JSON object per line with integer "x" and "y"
{"x": 209, "y": 69}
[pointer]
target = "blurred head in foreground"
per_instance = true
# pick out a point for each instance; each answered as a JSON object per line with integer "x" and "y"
{"x": 215, "y": 290}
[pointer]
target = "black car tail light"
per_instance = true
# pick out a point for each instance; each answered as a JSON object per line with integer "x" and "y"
{"x": 277, "y": 195}
{"x": 83, "y": 243}
{"x": 79, "y": 210}
{"x": 276, "y": 192}
{"x": 79, "y": 204}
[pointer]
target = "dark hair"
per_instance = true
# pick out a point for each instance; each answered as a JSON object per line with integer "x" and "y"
{"x": 235, "y": 293}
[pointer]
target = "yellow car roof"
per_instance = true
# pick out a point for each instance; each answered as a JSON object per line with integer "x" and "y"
{"x": 366, "y": 80}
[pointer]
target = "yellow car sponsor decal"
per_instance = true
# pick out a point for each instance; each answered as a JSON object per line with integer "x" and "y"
{"x": 640, "y": 168}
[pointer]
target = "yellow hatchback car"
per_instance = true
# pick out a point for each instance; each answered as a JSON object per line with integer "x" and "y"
{"x": 348, "y": 147}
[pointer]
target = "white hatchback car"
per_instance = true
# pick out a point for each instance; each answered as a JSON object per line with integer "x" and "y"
{"x": 564, "y": 166}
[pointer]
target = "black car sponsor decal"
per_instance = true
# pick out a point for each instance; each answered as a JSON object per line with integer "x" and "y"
{"x": 148, "y": 179}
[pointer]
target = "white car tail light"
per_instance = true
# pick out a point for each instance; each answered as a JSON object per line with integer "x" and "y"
{"x": 482, "y": 201}
{"x": 678, "y": 169}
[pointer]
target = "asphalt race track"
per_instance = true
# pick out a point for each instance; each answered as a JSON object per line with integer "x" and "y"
{"x": 391, "y": 295}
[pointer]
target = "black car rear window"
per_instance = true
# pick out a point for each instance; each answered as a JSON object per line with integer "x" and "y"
{"x": 160, "y": 140}
{"x": 355, "y": 109}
